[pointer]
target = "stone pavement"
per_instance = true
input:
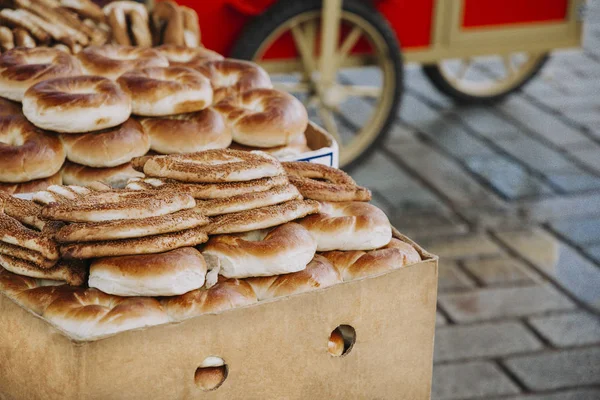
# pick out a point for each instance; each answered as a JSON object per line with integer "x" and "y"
{"x": 509, "y": 197}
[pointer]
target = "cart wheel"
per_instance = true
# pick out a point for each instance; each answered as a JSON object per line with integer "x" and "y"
{"x": 366, "y": 39}
{"x": 484, "y": 79}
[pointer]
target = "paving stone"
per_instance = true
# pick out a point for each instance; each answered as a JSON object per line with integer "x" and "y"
{"x": 483, "y": 120}
{"x": 415, "y": 112}
{"x": 471, "y": 379}
{"x": 483, "y": 340}
{"x": 543, "y": 124}
{"x": 594, "y": 252}
{"x": 447, "y": 177}
{"x": 553, "y": 370}
{"x": 580, "y": 231}
{"x": 565, "y": 104}
{"x": 416, "y": 81}
{"x": 357, "y": 111}
{"x": 395, "y": 185}
{"x": 573, "y": 182}
{"x": 534, "y": 154}
{"x": 509, "y": 178}
{"x": 453, "y": 138}
{"x": 588, "y": 157}
{"x": 466, "y": 246}
{"x": 421, "y": 225}
{"x": 573, "y": 329}
{"x": 451, "y": 277}
{"x": 440, "y": 320}
{"x": 400, "y": 133}
{"x": 563, "y": 263}
{"x": 491, "y": 303}
{"x": 569, "y": 394}
{"x": 502, "y": 270}
{"x": 379, "y": 201}
{"x": 544, "y": 209}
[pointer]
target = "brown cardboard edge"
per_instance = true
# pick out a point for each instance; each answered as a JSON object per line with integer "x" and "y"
{"x": 317, "y": 142}
{"x": 426, "y": 257}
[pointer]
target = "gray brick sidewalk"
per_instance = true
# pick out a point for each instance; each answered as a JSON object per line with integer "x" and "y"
{"x": 509, "y": 197}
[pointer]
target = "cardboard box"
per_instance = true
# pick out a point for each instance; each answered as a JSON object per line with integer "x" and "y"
{"x": 274, "y": 349}
{"x": 325, "y": 149}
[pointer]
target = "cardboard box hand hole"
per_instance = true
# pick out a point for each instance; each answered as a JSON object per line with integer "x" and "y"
{"x": 341, "y": 340}
{"x": 211, "y": 373}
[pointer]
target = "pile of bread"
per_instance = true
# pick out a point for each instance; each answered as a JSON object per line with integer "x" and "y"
{"x": 84, "y": 118}
{"x": 71, "y": 25}
{"x": 200, "y": 233}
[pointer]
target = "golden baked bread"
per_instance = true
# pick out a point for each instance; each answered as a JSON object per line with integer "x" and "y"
{"x": 9, "y": 108}
{"x": 188, "y": 133}
{"x": 264, "y": 117}
{"x": 13, "y": 232}
{"x": 261, "y": 218}
{"x": 232, "y": 77}
{"x": 72, "y": 272}
{"x": 60, "y": 194}
{"x": 126, "y": 229}
{"x": 191, "y": 27}
{"x": 23, "y": 38}
{"x": 112, "y": 61}
{"x": 24, "y": 254}
{"x": 165, "y": 274}
{"x": 25, "y": 211}
{"x": 109, "y": 147}
{"x": 115, "y": 177}
{"x": 135, "y": 206}
{"x": 13, "y": 284}
{"x": 26, "y": 152}
{"x": 31, "y": 186}
{"x": 359, "y": 264}
{"x": 21, "y": 68}
{"x": 209, "y": 190}
{"x": 160, "y": 91}
{"x": 349, "y": 226}
{"x": 294, "y": 149}
{"x": 87, "y": 314}
{"x": 335, "y": 345}
{"x": 248, "y": 201}
{"x": 318, "y": 274}
{"x": 125, "y": 17}
{"x": 225, "y": 295}
{"x": 181, "y": 56}
{"x": 41, "y": 294}
{"x": 85, "y": 8}
{"x": 76, "y": 104}
{"x": 7, "y": 40}
{"x": 214, "y": 166}
{"x": 285, "y": 249}
{"x": 168, "y": 24}
{"x": 324, "y": 183}
{"x": 144, "y": 245}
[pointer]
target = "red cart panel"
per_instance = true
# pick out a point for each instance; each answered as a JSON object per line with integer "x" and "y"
{"x": 480, "y": 13}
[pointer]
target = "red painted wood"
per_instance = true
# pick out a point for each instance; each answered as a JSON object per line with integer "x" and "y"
{"x": 221, "y": 22}
{"x": 480, "y": 13}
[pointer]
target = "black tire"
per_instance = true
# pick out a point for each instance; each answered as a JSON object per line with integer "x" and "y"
{"x": 257, "y": 31}
{"x": 439, "y": 81}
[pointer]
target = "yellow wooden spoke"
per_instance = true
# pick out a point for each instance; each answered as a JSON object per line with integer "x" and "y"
{"x": 298, "y": 87}
{"x": 464, "y": 66}
{"x": 302, "y": 44}
{"x": 330, "y": 125}
{"x": 508, "y": 65}
{"x": 361, "y": 91}
{"x": 310, "y": 33}
{"x": 330, "y": 30}
{"x": 348, "y": 45}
